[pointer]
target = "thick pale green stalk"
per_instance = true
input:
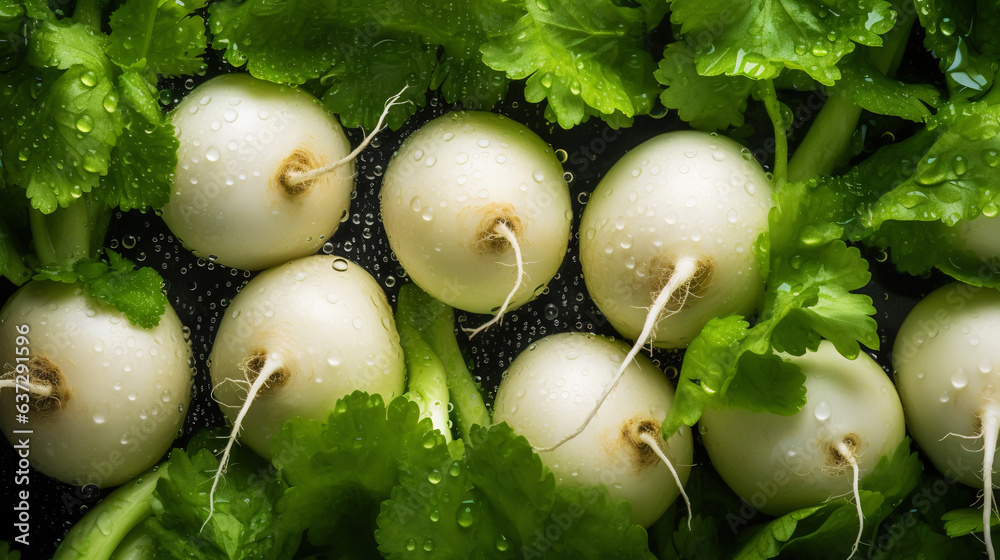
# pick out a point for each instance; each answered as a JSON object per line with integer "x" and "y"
{"x": 98, "y": 534}
{"x": 829, "y": 137}
{"x": 427, "y": 380}
{"x": 435, "y": 323}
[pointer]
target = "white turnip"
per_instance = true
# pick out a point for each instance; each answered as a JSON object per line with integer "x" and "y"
{"x": 552, "y": 386}
{"x": 947, "y": 362}
{"x": 477, "y": 210}
{"x": 264, "y": 173}
{"x": 103, "y": 399}
{"x": 777, "y": 464}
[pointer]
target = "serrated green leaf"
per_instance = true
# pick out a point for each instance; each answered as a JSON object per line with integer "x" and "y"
{"x": 864, "y": 85}
{"x": 573, "y": 54}
{"x": 342, "y": 469}
{"x": 61, "y": 133}
{"x": 708, "y": 103}
{"x": 138, "y": 293}
{"x": 353, "y": 47}
{"x": 760, "y": 39}
{"x": 244, "y": 524}
{"x": 140, "y": 174}
{"x": 948, "y": 26}
{"x": 162, "y": 37}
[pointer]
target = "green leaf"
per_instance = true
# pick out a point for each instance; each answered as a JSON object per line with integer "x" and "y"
{"x": 285, "y": 42}
{"x": 574, "y": 54}
{"x": 6, "y": 553}
{"x": 363, "y": 54}
{"x": 498, "y": 501}
{"x": 341, "y": 470}
{"x": 244, "y": 524}
{"x": 708, "y": 103}
{"x": 436, "y": 513}
{"x": 138, "y": 293}
{"x": 916, "y": 197}
{"x": 11, "y": 12}
{"x": 160, "y": 38}
{"x": 57, "y": 125}
{"x": 141, "y": 171}
{"x": 965, "y": 521}
{"x": 828, "y": 530}
{"x": 362, "y": 83}
{"x": 949, "y": 26}
{"x": 864, "y": 85}
{"x": 758, "y": 39}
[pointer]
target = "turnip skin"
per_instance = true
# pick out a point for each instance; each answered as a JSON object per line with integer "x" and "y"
{"x": 126, "y": 393}
{"x": 238, "y": 135}
{"x": 947, "y": 363}
{"x": 458, "y": 174}
{"x": 552, "y": 386}
{"x": 329, "y": 324}
{"x": 779, "y": 464}
{"x": 680, "y": 195}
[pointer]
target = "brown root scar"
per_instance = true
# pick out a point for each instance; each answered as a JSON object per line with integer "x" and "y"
{"x": 628, "y": 444}
{"x": 252, "y": 365}
{"x": 43, "y": 372}
{"x": 488, "y": 240}
{"x": 299, "y": 161}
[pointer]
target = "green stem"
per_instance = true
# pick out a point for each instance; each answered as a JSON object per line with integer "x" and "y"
{"x": 434, "y": 322}
{"x": 88, "y": 12}
{"x": 44, "y": 249}
{"x": 427, "y": 381}
{"x": 137, "y": 545}
{"x": 829, "y": 137}
{"x": 71, "y": 233}
{"x": 770, "y": 98}
{"x": 11, "y": 261}
{"x": 470, "y": 409}
{"x": 98, "y": 534}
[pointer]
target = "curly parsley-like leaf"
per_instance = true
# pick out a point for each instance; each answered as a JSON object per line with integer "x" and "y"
{"x": 354, "y": 46}
{"x": 138, "y": 293}
{"x": 244, "y": 524}
{"x": 865, "y": 86}
{"x": 339, "y": 471}
{"x": 758, "y": 39}
{"x": 919, "y": 198}
{"x": 144, "y": 158}
{"x": 573, "y": 54}
{"x": 159, "y": 38}
{"x": 709, "y": 103}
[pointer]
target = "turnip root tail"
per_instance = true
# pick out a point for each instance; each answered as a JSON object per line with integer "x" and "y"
{"x": 271, "y": 366}
{"x": 38, "y": 391}
{"x": 848, "y": 455}
{"x": 685, "y": 271}
{"x": 298, "y": 177}
{"x": 504, "y": 231}
{"x": 655, "y": 446}
{"x": 990, "y": 419}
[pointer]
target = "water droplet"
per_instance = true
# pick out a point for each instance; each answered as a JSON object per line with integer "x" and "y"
{"x": 85, "y": 124}
{"x": 465, "y": 518}
{"x": 959, "y": 378}
{"x": 212, "y": 154}
{"x": 551, "y": 311}
{"x": 340, "y": 265}
{"x": 230, "y": 115}
{"x": 823, "y": 411}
